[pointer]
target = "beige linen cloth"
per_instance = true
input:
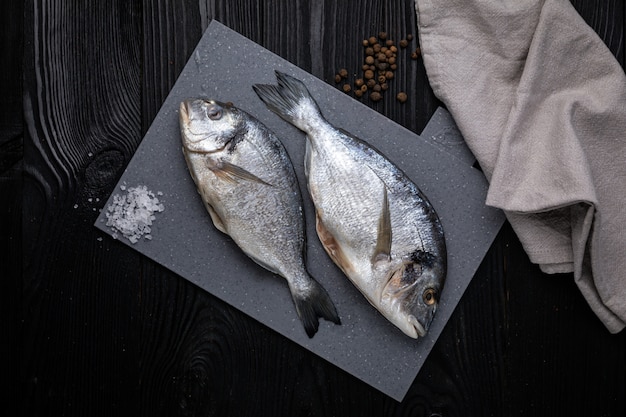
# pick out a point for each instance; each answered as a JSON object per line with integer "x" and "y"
{"x": 541, "y": 102}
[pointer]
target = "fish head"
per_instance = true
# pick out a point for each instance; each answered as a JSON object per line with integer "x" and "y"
{"x": 411, "y": 295}
{"x": 208, "y": 126}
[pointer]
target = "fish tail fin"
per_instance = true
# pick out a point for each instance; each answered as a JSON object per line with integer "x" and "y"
{"x": 290, "y": 99}
{"x": 312, "y": 301}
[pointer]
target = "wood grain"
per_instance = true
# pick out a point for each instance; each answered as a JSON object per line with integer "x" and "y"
{"x": 107, "y": 332}
{"x": 82, "y": 109}
{"x": 607, "y": 19}
{"x": 11, "y": 154}
{"x": 564, "y": 345}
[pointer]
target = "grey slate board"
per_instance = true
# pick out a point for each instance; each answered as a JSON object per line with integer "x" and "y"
{"x": 442, "y": 131}
{"x": 224, "y": 66}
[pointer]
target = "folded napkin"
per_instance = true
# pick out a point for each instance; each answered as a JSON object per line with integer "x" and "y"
{"x": 541, "y": 102}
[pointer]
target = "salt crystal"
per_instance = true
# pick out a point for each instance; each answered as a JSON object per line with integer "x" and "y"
{"x": 132, "y": 214}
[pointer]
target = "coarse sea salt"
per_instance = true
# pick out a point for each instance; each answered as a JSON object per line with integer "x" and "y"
{"x": 131, "y": 214}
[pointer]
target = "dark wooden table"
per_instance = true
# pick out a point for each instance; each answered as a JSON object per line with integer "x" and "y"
{"x": 91, "y": 328}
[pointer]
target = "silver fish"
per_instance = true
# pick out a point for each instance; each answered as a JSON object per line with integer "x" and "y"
{"x": 249, "y": 187}
{"x": 372, "y": 220}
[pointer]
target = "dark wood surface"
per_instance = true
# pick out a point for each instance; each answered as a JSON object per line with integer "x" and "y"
{"x": 91, "y": 328}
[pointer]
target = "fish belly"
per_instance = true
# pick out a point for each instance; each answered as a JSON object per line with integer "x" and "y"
{"x": 347, "y": 197}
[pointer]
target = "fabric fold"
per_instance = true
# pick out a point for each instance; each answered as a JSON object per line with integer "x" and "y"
{"x": 541, "y": 102}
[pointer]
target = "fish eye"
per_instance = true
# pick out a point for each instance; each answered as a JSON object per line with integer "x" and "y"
{"x": 429, "y": 296}
{"x": 212, "y": 109}
{"x": 214, "y": 113}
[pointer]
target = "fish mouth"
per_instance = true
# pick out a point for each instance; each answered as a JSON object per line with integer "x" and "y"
{"x": 192, "y": 147}
{"x": 419, "y": 329}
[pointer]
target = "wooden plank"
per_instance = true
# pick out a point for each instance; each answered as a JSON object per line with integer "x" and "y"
{"x": 11, "y": 153}
{"x": 82, "y": 110}
{"x": 107, "y": 332}
{"x": 606, "y": 18}
{"x": 557, "y": 352}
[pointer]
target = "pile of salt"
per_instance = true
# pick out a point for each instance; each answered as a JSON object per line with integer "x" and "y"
{"x": 132, "y": 214}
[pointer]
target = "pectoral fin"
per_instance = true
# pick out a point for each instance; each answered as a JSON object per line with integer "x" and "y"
{"x": 382, "y": 252}
{"x": 233, "y": 173}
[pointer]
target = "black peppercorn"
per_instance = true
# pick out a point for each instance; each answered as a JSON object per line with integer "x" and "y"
{"x": 375, "y": 96}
